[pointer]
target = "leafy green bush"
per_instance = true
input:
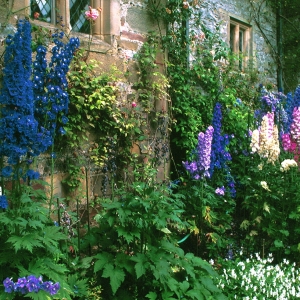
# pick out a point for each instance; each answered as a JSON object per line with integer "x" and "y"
{"x": 33, "y": 245}
{"x": 136, "y": 250}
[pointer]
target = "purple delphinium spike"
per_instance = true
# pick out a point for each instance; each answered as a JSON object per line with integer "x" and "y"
{"x": 30, "y": 284}
{"x": 200, "y": 167}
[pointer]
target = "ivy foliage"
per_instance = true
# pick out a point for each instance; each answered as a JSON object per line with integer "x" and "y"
{"x": 97, "y": 115}
{"x": 201, "y": 70}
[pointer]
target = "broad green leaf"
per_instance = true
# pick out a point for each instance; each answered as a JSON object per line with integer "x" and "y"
{"x": 173, "y": 285}
{"x": 139, "y": 269}
{"x": 123, "y": 261}
{"x": 126, "y": 234}
{"x": 208, "y": 283}
{"x": 284, "y": 232}
{"x": 35, "y": 224}
{"x": 21, "y": 221}
{"x": 116, "y": 276}
{"x": 184, "y": 286}
{"x": 80, "y": 286}
{"x": 166, "y": 295}
{"x": 194, "y": 294}
{"x": 102, "y": 259}
{"x": 151, "y": 296}
{"x": 278, "y": 244}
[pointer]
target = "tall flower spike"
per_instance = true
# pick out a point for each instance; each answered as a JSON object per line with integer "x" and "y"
{"x": 219, "y": 154}
{"x": 204, "y": 151}
{"x": 19, "y": 129}
{"x": 295, "y": 127}
{"x": 200, "y": 167}
{"x": 294, "y": 146}
{"x": 265, "y": 140}
{"x": 51, "y": 98}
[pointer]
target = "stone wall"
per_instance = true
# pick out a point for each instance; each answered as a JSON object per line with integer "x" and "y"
{"x": 132, "y": 24}
{"x": 129, "y": 31}
{"x": 218, "y": 12}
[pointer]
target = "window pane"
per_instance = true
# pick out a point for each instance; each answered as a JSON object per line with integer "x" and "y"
{"x": 241, "y": 41}
{"x": 78, "y": 20}
{"x": 232, "y": 31}
{"x": 43, "y": 7}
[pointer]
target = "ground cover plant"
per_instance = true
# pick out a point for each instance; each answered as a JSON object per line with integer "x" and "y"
{"x": 234, "y": 186}
{"x": 257, "y": 278}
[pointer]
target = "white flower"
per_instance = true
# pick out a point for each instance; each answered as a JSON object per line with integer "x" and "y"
{"x": 287, "y": 164}
{"x": 265, "y": 185}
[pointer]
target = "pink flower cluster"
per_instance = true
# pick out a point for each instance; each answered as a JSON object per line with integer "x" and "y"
{"x": 291, "y": 141}
{"x": 295, "y": 127}
{"x": 92, "y": 14}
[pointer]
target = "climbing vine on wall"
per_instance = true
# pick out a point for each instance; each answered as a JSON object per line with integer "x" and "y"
{"x": 201, "y": 71}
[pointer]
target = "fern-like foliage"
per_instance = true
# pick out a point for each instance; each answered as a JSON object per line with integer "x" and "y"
{"x": 31, "y": 245}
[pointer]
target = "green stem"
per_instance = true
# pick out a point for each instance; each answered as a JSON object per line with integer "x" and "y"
{"x": 78, "y": 225}
{"x": 88, "y": 205}
{"x": 51, "y": 179}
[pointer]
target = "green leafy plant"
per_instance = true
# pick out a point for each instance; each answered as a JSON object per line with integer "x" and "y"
{"x": 33, "y": 245}
{"x": 135, "y": 244}
{"x": 211, "y": 215}
{"x": 270, "y": 210}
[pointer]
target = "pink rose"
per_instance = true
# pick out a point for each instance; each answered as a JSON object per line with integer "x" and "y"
{"x": 133, "y": 104}
{"x": 92, "y": 14}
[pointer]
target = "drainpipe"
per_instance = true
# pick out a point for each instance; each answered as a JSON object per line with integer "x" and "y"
{"x": 279, "y": 31}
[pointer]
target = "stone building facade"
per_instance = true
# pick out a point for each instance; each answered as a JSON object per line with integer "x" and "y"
{"x": 251, "y": 26}
{"x": 122, "y": 27}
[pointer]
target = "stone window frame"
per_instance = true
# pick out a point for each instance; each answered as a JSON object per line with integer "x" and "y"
{"x": 240, "y": 41}
{"x": 229, "y": 20}
{"x": 106, "y": 27}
